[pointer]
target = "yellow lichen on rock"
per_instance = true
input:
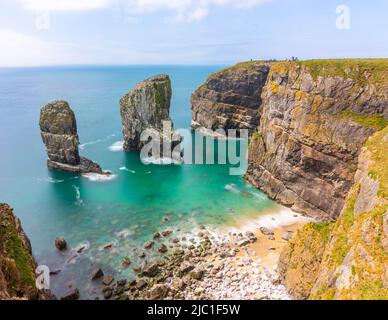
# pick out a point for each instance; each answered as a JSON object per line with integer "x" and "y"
{"x": 353, "y": 262}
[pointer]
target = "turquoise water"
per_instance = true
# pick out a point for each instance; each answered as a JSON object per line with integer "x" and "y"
{"x": 52, "y": 204}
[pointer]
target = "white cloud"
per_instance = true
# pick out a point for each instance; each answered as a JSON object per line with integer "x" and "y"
{"x": 19, "y": 49}
{"x": 64, "y": 5}
{"x": 183, "y": 10}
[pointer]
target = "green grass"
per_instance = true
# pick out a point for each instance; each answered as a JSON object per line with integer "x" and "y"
{"x": 360, "y": 70}
{"x": 12, "y": 247}
{"x": 375, "y": 121}
{"x": 240, "y": 66}
{"x": 377, "y": 145}
{"x": 324, "y": 229}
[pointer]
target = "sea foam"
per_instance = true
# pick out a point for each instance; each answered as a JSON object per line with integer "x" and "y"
{"x": 50, "y": 180}
{"x": 106, "y": 139}
{"x": 161, "y": 161}
{"x": 96, "y": 177}
{"x": 117, "y": 146}
{"x": 127, "y": 170}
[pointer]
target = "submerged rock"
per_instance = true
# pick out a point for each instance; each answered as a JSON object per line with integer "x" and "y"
{"x": 97, "y": 274}
{"x": 60, "y": 244}
{"x": 71, "y": 295}
{"x": 58, "y": 128}
{"x": 144, "y": 109}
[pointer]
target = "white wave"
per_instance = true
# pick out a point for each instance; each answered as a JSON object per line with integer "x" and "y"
{"x": 260, "y": 196}
{"x": 78, "y": 198}
{"x": 82, "y": 247}
{"x": 280, "y": 218}
{"x": 161, "y": 161}
{"x": 96, "y": 177}
{"x": 50, "y": 180}
{"x": 82, "y": 146}
{"x": 232, "y": 187}
{"x": 117, "y": 146}
{"x": 127, "y": 170}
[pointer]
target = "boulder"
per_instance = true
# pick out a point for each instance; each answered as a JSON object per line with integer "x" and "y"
{"x": 148, "y": 245}
{"x": 197, "y": 274}
{"x": 107, "y": 280}
{"x": 163, "y": 248}
{"x": 158, "y": 292}
{"x": 60, "y": 244}
{"x": 71, "y": 295}
{"x": 266, "y": 231}
{"x": 97, "y": 274}
{"x": 151, "y": 270}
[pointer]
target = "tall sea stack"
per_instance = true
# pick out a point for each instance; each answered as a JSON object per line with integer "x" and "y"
{"x": 59, "y": 133}
{"x": 145, "y": 108}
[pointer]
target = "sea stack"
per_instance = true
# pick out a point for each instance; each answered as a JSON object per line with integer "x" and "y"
{"x": 58, "y": 127}
{"x": 146, "y": 108}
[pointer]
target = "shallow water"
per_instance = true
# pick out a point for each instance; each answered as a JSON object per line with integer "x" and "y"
{"x": 124, "y": 211}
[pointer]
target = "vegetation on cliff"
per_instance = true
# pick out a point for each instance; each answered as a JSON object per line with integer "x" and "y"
{"x": 314, "y": 119}
{"x": 354, "y": 262}
{"x": 17, "y": 278}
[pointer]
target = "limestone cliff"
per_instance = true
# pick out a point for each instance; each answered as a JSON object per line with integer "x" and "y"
{"x": 347, "y": 259}
{"x": 309, "y": 121}
{"x": 59, "y": 133}
{"x": 230, "y": 99}
{"x": 17, "y": 266}
{"x": 144, "y": 109}
{"x": 316, "y": 115}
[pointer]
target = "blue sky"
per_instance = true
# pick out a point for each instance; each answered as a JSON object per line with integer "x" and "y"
{"x": 56, "y": 32}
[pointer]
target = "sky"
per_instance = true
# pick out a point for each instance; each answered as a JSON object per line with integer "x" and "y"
{"x": 142, "y": 32}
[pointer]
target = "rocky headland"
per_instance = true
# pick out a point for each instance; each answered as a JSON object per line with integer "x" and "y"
{"x": 308, "y": 152}
{"x": 317, "y": 145}
{"x": 59, "y": 134}
{"x": 144, "y": 111}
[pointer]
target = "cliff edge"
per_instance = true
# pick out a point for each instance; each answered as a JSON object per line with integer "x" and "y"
{"x": 347, "y": 259}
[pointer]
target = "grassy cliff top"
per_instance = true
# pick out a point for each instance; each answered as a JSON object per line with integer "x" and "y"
{"x": 360, "y": 70}
{"x": 242, "y": 66}
{"x": 377, "y": 145}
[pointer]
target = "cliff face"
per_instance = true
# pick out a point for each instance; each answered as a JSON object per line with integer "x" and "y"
{"x": 230, "y": 99}
{"x": 351, "y": 260}
{"x": 17, "y": 266}
{"x": 59, "y": 134}
{"x": 309, "y": 121}
{"x": 316, "y": 115}
{"x": 145, "y": 107}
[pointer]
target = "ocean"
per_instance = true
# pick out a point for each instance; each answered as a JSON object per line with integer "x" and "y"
{"x": 123, "y": 212}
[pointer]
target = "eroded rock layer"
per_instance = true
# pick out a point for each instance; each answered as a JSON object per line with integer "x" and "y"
{"x": 347, "y": 259}
{"x": 59, "y": 134}
{"x": 230, "y": 99}
{"x": 308, "y": 121}
{"x": 316, "y": 116}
